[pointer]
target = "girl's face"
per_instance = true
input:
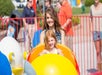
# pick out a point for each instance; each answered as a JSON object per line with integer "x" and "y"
{"x": 51, "y": 42}
{"x": 49, "y": 20}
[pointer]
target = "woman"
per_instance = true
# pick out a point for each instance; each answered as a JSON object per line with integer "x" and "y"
{"x": 96, "y": 19}
{"x": 65, "y": 19}
{"x": 51, "y": 22}
{"x": 48, "y": 4}
{"x": 30, "y": 23}
{"x": 50, "y": 44}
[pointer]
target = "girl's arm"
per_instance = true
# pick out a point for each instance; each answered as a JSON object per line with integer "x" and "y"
{"x": 60, "y": 52}
{"x": 43, "y": 52}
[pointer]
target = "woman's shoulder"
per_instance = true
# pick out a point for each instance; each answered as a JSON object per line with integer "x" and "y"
{"x": 43, "y": 32}
{"x": 42, "y": 35}
{"x": 101, "y": 4}
{"x": 25, "y": 8}
{"x": 62, "y": 31}
{"x": 92, "y": 6}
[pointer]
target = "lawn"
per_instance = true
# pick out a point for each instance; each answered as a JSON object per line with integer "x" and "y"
{"x": 77, "y": 11}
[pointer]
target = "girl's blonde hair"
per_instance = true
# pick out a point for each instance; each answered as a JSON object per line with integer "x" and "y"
{"x": 49, "y": 33}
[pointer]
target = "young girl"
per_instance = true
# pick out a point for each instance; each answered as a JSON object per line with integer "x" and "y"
{"x": 50, "y": 44}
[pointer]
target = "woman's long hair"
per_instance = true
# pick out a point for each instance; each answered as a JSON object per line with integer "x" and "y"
{"x": 53, "y": 14}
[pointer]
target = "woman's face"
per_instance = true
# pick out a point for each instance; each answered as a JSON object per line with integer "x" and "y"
{"x": 58, "y": 5}
{"x": 61, "y": 1}
{"x": 49, "y": 20}
{"x": 47, "y": 3}
{"x": 30, "y": 2}
{"x": 51, "y": 42}
{"x": 96, "y": 1}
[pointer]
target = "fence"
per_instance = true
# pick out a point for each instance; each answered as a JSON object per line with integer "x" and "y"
{"x": 83, "y": 44}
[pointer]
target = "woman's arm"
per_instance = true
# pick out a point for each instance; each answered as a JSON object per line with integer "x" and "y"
{"x": 63, "y": 37}
{"x": 42, "y": 37}
{"x": 91, "y": 20}
{"x": 35, "y": 20}
{"x": 24, "y": 18}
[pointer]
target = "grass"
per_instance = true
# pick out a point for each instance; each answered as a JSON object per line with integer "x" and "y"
{"x": 77, "y": 11}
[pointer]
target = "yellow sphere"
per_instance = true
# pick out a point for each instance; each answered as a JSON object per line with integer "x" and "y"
{"x": 53, "y": 64}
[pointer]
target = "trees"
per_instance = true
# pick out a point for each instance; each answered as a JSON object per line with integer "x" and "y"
{"x": 6, "y": 7}
{"x": 90, "y": 2}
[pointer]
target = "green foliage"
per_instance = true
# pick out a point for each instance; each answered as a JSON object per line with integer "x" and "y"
{"x": 90, "y": 2}
{"x": 75, "y": 20}
{"x": 6, "y": 7}
{"x": 39, "y": 12}
{"x": 40, "y": 16}
{"x": 41, "y": 23}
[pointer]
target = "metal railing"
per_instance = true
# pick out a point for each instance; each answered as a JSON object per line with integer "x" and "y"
{"x": 83, "y": 44}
